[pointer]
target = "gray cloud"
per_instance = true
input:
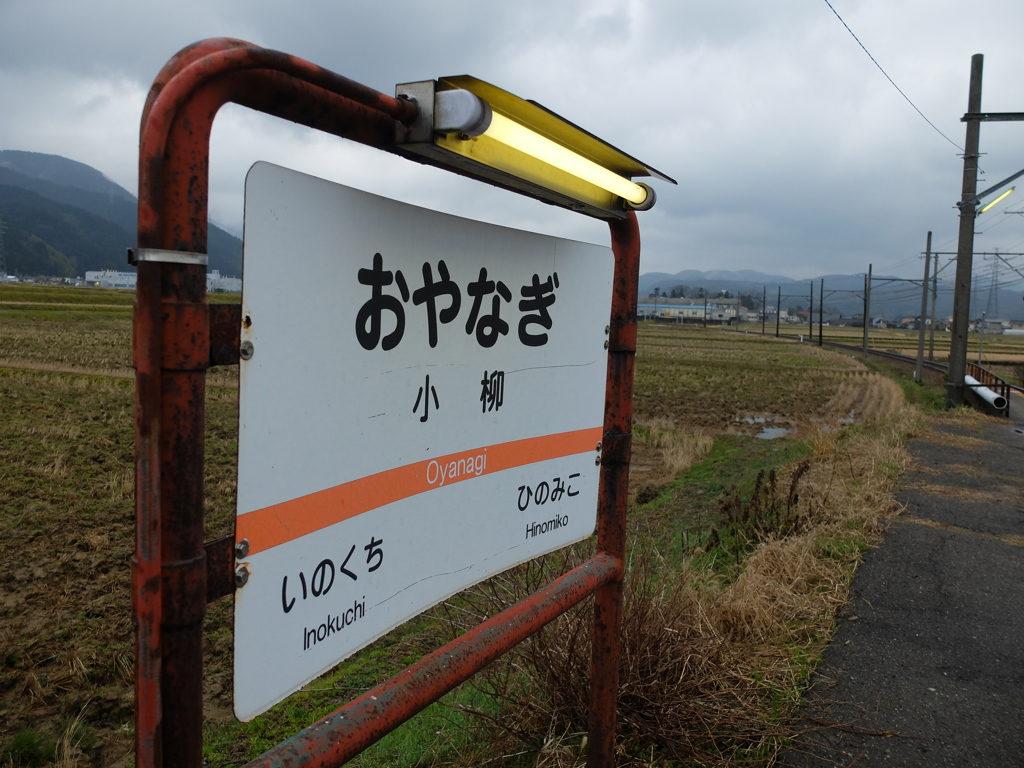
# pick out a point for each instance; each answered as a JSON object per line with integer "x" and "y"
{"x": 793, "y": 153}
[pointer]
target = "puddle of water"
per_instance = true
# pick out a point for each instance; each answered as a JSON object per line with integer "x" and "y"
{"x": 770, "y": 433}
{"x": 767, "y": 433}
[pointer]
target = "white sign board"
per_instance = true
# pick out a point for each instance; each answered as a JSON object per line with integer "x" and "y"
{"x": 421, "y": 410}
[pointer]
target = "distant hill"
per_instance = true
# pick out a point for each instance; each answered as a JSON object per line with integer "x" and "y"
{"x": 62, "y": 172}
{"x": 745, "y": 281}
{"x": 64, "y": 217}
{"x": 45, "y": 237}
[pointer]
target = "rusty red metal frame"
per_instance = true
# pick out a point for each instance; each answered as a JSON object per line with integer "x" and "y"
{"x": 177, "y": 337}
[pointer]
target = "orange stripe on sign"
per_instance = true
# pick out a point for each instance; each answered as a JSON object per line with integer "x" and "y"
{"x": 284, "y": 522}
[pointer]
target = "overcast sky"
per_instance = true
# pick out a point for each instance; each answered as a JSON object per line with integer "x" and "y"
{"x": 794, "y": 154}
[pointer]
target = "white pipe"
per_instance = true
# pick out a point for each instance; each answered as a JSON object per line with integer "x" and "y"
{"x": 996, "y": 401}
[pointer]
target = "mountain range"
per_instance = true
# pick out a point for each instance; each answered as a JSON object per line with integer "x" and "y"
{"x": 891, "y": 297}
{"x": 62, "y": 217}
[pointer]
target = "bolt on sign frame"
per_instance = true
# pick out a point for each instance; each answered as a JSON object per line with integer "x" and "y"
{"x": 177, "y": 336}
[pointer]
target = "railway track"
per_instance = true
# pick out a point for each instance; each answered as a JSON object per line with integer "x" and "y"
{"x": 931, "y": 365}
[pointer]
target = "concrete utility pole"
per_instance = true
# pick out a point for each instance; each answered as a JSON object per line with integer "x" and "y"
{"x": 821, "y": 311}
{"x": 778, "y": 312}
{"x": 3, "y": 253}
{"x": 867, "y": 307}
{"x": 810, "y": 316}
{"x": 981, "y": 337}
{"x": 919, "y": 371}
{"x": 965, "y": 243}
{"x": 935, "y": 293}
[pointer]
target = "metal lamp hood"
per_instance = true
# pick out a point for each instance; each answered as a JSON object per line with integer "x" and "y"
{"x": 488, "y": 133}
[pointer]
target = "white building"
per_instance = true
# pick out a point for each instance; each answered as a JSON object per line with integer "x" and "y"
{"x": 717, "y": 310}
{"x": 109, "y": 278}
{"x": 215, "y": 282}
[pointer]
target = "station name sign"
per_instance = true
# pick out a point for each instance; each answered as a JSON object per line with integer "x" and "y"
{"x": 420, "y": 407}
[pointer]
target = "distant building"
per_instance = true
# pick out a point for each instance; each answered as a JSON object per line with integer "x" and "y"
{"x": 109, "y": 278}
{"x": 216, "y": 283}
{"x": 716, "y": 310}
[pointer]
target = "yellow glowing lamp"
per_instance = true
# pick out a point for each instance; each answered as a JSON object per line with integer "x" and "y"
{"x": 485, "y": 132}
{"x": 1004, "y": 195}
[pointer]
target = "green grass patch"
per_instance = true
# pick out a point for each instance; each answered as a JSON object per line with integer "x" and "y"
{"x": 689, "y": 515}
{"x": 29, "y": 749}
{"x": 60, "y": 295}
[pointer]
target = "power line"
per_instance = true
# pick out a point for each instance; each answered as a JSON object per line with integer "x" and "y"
{"x": 891, "y": 80}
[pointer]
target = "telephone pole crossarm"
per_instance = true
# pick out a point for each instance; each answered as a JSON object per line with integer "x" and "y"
{"x": 993, "y": 117}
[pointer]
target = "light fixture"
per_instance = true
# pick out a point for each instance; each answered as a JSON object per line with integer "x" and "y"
{"x": 488, "y": 133}
{"x": 982, "y": 195}
{"x": 1005, "y": 194}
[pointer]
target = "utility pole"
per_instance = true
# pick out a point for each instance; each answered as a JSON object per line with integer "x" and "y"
{"x": 867, "y": 307}
{"x": 705, "y": 309}
{"x": 935, "y": 293}
{"x": 821, "y": 311}
{"x": 764, "y": 306}
{"x": 810, "y": 316}
{"x": 778, "y": 312}
{"x": 3, "y": 253}
{"x": 965, "y": 242}
{"x": 919, "y": 371}
{"x": 981, "y": 337}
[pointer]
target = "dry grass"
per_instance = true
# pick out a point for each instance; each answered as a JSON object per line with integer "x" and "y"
{"x": 870, "y": 398}
{"x": 713, "y": 661}
{"x": 69, "y": 753}
{"x": 712, "y": 656}
{"x": 662, "y": 451}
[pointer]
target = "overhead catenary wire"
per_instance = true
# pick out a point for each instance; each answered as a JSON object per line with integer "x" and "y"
{"x": 900, "y": 90}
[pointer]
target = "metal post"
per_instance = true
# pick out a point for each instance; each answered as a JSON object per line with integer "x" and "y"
{"x": 615, "y": 456}
{"x": 965, "y": 244}
{"x": 705, "y": 309}
{"x": 919, "y": 371}
{"x": 821, "y": 312}
{"x": 810, "y": 316}
{"x": 867, "y": 307}
{"x": 171, "y": 352}
{"x": 764, "y": 306}
{"x": 935, "y": 291}
{"x": 778, "y": 312}
{"x": 981, "y": 337}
